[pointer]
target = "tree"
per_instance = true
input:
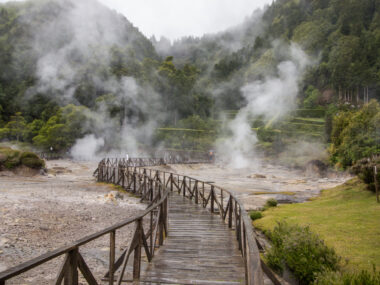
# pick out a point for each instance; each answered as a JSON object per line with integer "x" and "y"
{"x": 16, "y": 126}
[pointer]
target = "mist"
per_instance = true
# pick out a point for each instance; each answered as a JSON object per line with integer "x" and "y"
{"x": 83, "y": 33}
{"x": 271, "y": 98}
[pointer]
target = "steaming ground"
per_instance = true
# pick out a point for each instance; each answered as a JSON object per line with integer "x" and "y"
{"x": 42, "y": 213}
{"x": 257, "y": 184}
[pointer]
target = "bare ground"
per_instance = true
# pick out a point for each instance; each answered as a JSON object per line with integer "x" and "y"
{"x": 258, "y": 183}
{"x": 41, "y": 213}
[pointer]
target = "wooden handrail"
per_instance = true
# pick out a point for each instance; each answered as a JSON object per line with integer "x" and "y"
{"x": 208, "y": 196}
{"x": 153, "y": 186}
{"x": 156, "y": 212}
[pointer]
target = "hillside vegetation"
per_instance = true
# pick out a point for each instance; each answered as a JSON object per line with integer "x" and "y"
{"x": 60, "y": 81}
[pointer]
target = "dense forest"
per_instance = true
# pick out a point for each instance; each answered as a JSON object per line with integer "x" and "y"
{"x": 67, "y": 72}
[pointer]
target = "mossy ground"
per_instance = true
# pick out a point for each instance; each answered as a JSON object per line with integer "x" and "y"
{"x": 11, "y": 159}
{"x": 347, "y": 217}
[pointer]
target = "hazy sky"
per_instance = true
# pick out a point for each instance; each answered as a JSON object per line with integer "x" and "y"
{"x": 176, "y": 18}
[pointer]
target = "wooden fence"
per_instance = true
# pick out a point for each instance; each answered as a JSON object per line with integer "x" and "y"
{"x": 155, "y": 215}
{"x": 154, "y": 187}
{"x": 216, "y": 199}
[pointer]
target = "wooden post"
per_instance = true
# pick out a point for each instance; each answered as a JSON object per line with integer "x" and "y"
{"x": 376, "y": 184}
{"x": 71, "y": 274}
{"x": 212, "y": 199}
{"x": 203, "y": 194}
{"x": 166, "y": 221}
{"x": 134, "y": 180}
{"x": 184, "y": 186}
{"x": 112, "y": 257}
{"x": 221, "y": 203}
{"x": 236, "y": 221}
{"x": 196, "y": 191}
{"x": 151, "y": 235}
{"x": 137, "y": 252}
{"x": 230, "y": 211}
{"x": 161, "y": 225}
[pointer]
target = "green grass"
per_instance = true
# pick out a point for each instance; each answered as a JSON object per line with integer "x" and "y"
{"x": 346, "y": 217}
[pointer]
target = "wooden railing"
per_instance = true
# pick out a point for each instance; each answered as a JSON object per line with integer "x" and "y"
{"x": 216, "y": 199}
{"x": 155, "y": 216}
{"x": 152, "y": 186}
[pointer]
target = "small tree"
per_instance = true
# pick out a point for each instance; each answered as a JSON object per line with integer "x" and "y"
{"x": 16, "y": 126}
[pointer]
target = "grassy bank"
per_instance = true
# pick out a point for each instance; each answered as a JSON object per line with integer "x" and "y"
{"x": 346, "y": 217}
{"x": 11, "y": 159}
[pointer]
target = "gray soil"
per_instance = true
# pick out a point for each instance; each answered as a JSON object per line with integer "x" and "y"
{"x": 43, "y": 212}
{"x": 257, "y": 184}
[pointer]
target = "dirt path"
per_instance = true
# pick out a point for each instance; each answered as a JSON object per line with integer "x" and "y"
{"x": 42, "y": 213}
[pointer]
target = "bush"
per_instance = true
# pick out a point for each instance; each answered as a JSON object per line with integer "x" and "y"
{"x": 32, "y": 160}
{"x": 10, "y": 159}
{"x": 302, "y": 251}
{"x": 364, "y": 169}
{"x": 255, "y": 215}
{"x": 354, "y": 135}
{"x": 271, "y": 203}
{"x": 337, "y": 278}
{"x": 310, "y": 113}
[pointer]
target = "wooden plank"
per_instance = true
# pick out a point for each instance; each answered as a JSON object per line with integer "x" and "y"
{"x": 62, "y": 270}
{"x": 111, "y": 268}
{"x": 87, "y": 274}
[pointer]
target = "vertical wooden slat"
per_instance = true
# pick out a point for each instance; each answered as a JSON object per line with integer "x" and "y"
{"x": 230, "y": 211}
{"x": 203, "y": 194}
{"x": 137, "y": 253}
{"x": 71, "y": 274}
{"x": 196, "y": 192}
{"x": 184, "y": 186}
{"x": 112, "y": 257}
{"x": 212, "y": 199}
{"x": 151, "y": 234}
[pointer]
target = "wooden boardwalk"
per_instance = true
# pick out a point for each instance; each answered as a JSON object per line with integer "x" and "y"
{"x": 200, "y": 249}
{"x": 192, "y": 232}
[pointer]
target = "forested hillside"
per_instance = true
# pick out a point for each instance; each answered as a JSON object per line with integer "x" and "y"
{"x": 68, "y": 71}
{"x": 342, "y": 36}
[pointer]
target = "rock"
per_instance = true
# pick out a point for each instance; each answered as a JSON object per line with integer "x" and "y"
{"x": 117, "y": 195}
{"x": 259, "y": 176}
{"x": 316, "y": 168}
{"x": 4, "y": 241}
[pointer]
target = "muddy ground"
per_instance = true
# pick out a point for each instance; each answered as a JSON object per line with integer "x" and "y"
{"x": 257, "y": 184}
{"x": 43, "y": 212}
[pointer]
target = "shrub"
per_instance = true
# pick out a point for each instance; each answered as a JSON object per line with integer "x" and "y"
{"x": 271, "y": 203}
{"x": 255, "y": 215}
{"x": 337, "y": 278}
{"x": 10, "y": 159}
{"x": 364, "y": 168}
{"x": 354, "y": 135}
{"x": 302, "y": 251}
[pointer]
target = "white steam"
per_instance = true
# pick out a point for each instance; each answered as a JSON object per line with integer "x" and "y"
{"x": 87, "y": 148}
{"x": 75, "y": 48}
{"x": 271, "y": 98}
